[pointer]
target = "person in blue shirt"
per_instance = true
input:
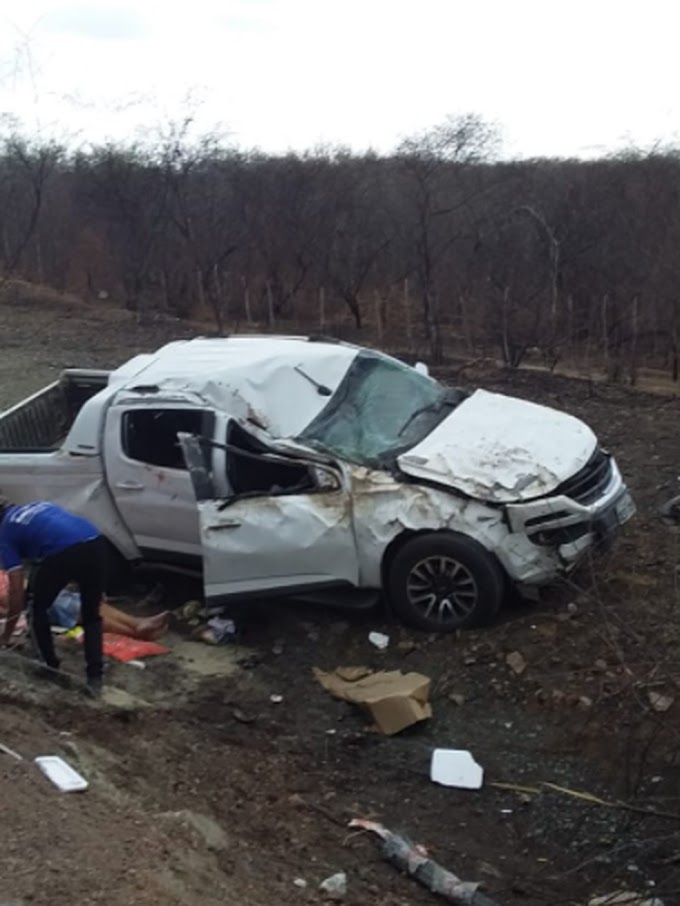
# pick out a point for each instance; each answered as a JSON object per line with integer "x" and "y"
{"x": 66, "y": 548}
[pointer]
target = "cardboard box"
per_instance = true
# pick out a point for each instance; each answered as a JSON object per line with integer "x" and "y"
{"x": 394, "y": 700}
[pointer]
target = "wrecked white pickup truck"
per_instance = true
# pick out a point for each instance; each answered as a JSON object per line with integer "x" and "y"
{"x": 318, "y": 465}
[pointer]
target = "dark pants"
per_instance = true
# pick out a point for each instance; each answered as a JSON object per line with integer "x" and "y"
{"x": 83, "y": 564}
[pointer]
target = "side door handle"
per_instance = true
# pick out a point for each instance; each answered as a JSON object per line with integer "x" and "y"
{"x": 130, "y": 485}
{"x": 224, "y": 525}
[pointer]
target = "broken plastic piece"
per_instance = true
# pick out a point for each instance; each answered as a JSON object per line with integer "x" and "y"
{"x": 379, "y": 639}
{"x": 456, "y": 767}
{"x": 335, "y": 886}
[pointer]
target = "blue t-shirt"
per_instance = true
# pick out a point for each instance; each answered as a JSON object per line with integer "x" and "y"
{"x": 37, "y": 530}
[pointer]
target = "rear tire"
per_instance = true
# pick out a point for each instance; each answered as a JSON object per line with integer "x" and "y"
{"x": 442, "y": 582}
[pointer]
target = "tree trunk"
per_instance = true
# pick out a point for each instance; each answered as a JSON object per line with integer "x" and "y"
{"x": 407, "y": 316}
{"x": 434, "y": 337}
{"x": 322, "y": 309}
{"x": 270, "y": 304}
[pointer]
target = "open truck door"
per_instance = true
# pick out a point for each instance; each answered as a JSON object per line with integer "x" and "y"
{"x": 284, "y": 527}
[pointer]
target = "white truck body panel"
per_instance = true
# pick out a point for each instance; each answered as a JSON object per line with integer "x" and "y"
{"x": 497, "y": 448}
{"x": 286, "y": 543}
{"x": 76, "y": 483}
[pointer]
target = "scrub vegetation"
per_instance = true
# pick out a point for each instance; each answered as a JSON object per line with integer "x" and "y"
{"x": 444, "y": 243}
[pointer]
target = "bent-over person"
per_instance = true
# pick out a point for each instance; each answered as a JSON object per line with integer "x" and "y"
{"x": 65, "y": 548}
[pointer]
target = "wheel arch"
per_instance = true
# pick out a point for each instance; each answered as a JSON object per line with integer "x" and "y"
{"x": 398, "y": 542}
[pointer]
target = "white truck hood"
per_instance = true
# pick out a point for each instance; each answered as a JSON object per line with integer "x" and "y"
{"x": 501, "y": 449}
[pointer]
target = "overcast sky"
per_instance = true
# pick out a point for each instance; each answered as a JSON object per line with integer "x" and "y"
{"x": 586, "y": 77}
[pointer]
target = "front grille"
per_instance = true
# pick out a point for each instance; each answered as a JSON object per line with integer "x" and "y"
{"x": 591, "y": 481}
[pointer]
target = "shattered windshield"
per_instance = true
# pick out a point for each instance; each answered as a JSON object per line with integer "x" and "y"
{"x": 381, "y": 408}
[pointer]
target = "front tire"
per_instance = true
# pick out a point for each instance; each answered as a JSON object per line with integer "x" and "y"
{"x": 443, "y": 582}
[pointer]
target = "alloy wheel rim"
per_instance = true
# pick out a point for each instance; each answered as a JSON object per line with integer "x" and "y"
{"x": 442, "y": 588}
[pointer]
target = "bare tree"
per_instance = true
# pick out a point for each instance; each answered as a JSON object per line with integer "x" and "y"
{"x": 355, "y": 232}
{"x": 25, "y": 169}
{"x": 125, "y": 191}
{"x": 201, "y": 177}
{"x": 436, "y": 174}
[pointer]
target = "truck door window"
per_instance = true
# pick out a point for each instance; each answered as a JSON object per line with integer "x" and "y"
{"x": 150, "y": 435}
{"x": 253, "y": 473}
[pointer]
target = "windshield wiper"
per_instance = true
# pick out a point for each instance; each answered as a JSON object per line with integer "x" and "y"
{"x": 321, "y": 389}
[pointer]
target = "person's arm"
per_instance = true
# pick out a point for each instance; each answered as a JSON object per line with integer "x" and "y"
{"x": 15, "y": 602}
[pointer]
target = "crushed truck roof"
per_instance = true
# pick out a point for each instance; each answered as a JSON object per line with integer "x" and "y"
{"x": 272, "y": 382}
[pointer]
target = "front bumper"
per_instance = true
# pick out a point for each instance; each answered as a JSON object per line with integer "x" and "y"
{"x": 552, "y": 534}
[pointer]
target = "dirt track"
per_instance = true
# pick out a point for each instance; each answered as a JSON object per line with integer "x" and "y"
{"x": 203, "y": 791}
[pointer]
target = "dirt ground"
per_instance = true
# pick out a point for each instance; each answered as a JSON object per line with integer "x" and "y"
{"x": 203, "y": 790}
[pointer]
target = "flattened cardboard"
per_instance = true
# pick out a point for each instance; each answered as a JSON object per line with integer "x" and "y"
{"x": 394, "y": 700}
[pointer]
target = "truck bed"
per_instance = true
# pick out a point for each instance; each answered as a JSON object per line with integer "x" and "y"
{"x": 41, "y": 422}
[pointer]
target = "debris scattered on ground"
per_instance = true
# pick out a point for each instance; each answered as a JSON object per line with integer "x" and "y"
{"x": 393, "y": 699}
{"x": 335, "y": 886}
{"x": 216, "y": 631}
{"x": 10, "y": 752}
{"x": 517, "y": 788}
{"x": 456, "y": 767}
{"x": 457, "y": 698}
{"x": 515, "y": 661}
{"x": 61, "y": 774}
{"x": 414, "y": 860}
{"x": 625, "y": 898}
{"x": 300, "y": 882}
{"x": 276, "y": 699}
{"x": 379, "y": 639}
{"x": 660, "y": 702}
{"x": 223, "y": 630}
{"x": 242, "y": 717}
{"x": 205, "y": 625}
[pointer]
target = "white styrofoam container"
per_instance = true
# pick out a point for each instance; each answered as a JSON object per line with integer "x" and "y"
{"x": 62, "y": 775}
{"x": 456, "y": 767}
